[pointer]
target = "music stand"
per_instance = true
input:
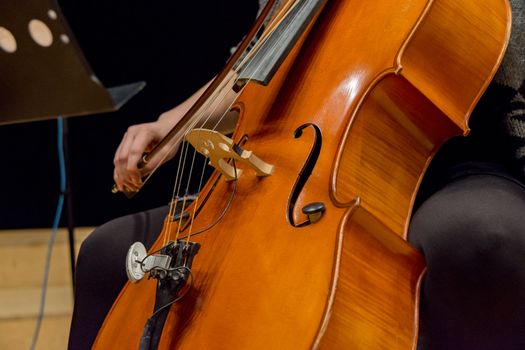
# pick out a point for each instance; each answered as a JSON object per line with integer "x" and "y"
{"x": 44, "y": 74}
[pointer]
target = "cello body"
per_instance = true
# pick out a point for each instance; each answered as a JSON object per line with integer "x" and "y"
{"x": 386, "y": 82}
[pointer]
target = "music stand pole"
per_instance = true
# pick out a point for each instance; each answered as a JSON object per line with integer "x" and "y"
{"x": 69, "y": 202}
{"x": 40, "y": 69}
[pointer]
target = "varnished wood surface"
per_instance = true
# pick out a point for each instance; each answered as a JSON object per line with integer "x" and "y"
{"x": 376, "y": 281}
{"x": 448, "y": 52}
{"x": 348, "y": 281}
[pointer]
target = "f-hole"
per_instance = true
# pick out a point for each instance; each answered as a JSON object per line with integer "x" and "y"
{"x": 315, "y": 210}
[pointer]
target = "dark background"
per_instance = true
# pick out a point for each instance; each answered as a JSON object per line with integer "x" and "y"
{"x": 174, "y": 46}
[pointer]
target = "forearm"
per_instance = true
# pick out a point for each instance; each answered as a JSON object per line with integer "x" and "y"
{"x": 211, "y": 115}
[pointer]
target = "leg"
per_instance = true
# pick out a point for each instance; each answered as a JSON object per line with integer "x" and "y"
{"x": 472, "y": 233}
{"x": 101, "y": 271}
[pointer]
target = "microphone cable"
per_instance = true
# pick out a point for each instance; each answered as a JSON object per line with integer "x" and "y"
{"x": 56, "y": 222}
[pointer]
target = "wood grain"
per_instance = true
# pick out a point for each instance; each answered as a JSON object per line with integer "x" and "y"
{"x": 349, "y": 281}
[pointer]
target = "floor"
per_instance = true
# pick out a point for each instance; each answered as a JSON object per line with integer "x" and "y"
{"x": 23, "y": 255}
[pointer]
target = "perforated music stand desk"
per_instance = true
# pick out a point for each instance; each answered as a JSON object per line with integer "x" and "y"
{"x": 43, "y": 72}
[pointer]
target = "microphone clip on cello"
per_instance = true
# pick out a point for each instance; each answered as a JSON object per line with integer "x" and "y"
{"x": 172, "y": 269}
{"x": 173, "y": 263}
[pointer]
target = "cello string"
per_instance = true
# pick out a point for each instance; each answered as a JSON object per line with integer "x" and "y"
{"x": 216, "y": 125}
{"x": 226, "y": 83}
{"x": 219, "y": 218}
{"x": 205, "y": 109}
{"x": 180, "y": 171}
{"x": 186, "y": 191}
{"x": 280, "y": 16}
{"x": 270, "y": 29}
{"x": 214, "y": 102}
{"x": 220, "y": 120}
{"x": 174, "y": 200}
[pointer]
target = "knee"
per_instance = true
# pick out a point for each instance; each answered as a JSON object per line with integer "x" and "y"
{"x": 472, "y": 234}
{"x": 97, "y": 241}
{"x": 99, "y": 247}
{"x": 472, "y": 227}
{"x": 89, "y": 254}
{"x": 105, "y": 249}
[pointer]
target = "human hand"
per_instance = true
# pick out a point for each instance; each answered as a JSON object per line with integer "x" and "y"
{"x": 138, "y": 140}
{"x": 142, "y": 138}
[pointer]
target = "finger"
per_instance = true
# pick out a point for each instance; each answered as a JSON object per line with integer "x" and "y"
{"x": 122, "y": 147}
{"x": 142, "y": 142}
{"x": 163, "y": 155}
{"x": 125, "y": 186}
{"x": 118, "y": 182}
{"x": 126, "y": 160}
{"x": 121, "y": 184}
{"x": 120, "y": 158}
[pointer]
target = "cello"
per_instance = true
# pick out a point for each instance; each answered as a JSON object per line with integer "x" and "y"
{"x": 342, "y": 105}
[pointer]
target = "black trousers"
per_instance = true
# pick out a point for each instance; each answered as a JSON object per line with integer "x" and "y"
{"x": 101, "y": 273}
{"x": 471, "y": 232}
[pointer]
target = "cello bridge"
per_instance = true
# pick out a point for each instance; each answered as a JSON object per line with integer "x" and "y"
{"x": 217, "y": 147}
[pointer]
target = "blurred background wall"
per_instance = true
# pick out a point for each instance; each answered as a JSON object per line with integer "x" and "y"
{"x": 174, "y": 46}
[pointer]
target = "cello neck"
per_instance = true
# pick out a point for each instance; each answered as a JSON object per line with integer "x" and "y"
{"x": 264, "y": 62}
